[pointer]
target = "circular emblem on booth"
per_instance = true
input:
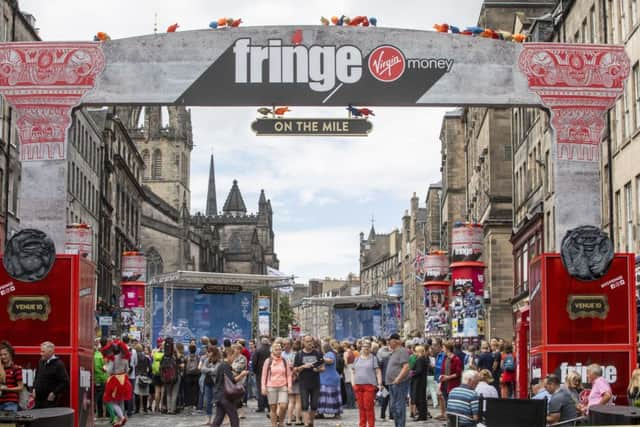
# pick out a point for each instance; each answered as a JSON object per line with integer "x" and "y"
{"x": 586, "y": 252}
{"x": 386, "y": 63}
{"x": 29, "y": 255}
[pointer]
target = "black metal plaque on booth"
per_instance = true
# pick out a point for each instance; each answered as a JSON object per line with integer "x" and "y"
{"x": 220, "y": 289}
{"x": 29, "y": 307}
{"x": 587, "y": 306}
{"x": 311, "y": 127}
{"x": 29, "y": 255}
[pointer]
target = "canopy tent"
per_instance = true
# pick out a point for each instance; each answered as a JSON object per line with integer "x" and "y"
{"x": 352, "y": 317}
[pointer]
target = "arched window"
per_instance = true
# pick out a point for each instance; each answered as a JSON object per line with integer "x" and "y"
{"x": 157, "y": 165}
{"x": 155, "y": 265}
{"x": 147, "y": 164}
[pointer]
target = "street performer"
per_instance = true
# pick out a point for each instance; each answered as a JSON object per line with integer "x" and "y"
{"x": 118, "y": 388}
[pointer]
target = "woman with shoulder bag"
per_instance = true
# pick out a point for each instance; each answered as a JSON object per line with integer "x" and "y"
{"x": 143, "y": 380}
{"x": 209, "y": 368}
{"x": 227, "y": 391}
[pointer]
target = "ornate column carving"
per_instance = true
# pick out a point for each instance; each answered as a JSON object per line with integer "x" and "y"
{"x": 578, "y": 83}
{"x": 43, "y": 82}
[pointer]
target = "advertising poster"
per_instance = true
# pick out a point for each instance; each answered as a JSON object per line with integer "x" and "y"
{"x": 264, "y": 315}
{"x": 468, "y": 312}
{"x": 134, "y": 267}
{"x": 78, "y": 240}
{"x": 436, "y": 311}
{"x": 352, "y": 324}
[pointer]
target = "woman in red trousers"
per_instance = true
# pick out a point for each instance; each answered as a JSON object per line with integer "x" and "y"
{"x": 367, "y": 379}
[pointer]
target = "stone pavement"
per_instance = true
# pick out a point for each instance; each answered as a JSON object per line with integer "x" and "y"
{"x": 349, "y": 419}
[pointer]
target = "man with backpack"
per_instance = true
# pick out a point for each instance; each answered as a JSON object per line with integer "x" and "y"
{"x": 191, "y": 378}
{"x": 169, "y": 375}
{"x": 508, "y": 377}
{"x": 133, "y": 362}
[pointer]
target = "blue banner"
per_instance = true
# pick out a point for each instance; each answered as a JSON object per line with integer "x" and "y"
{"x": 195, "y": 315}
{"x": 352, "y": 324}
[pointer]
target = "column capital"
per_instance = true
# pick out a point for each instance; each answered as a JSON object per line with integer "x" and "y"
{"x": 578, "y": 83}
{"x": 43, "y": 81}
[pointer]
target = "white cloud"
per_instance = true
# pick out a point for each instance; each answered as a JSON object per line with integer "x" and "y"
{"x": 318, "y": 252}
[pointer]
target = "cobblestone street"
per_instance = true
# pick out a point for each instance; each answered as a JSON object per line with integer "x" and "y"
{"x": 349, "y": 419}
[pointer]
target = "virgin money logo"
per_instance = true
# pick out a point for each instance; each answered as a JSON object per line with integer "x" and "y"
{"x": 386, "y": 63}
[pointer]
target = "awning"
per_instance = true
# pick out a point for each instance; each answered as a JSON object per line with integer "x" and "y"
{"x": 198, "y": 279}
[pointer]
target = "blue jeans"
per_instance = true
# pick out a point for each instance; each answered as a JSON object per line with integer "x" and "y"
{"x": 399, "y": 402}
{"x": 9, "y": 407}
{"x": 351, "y": 402}
{"x": 208, "y": 399}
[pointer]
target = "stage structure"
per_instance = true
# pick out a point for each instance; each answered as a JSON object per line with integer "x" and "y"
{"x": 223, "y": 295}
{"x": 352, "y": 317}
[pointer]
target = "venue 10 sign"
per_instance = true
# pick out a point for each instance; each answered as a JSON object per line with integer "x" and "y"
{"x": 312, "y": 127}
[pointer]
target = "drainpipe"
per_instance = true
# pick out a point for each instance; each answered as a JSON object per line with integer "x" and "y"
{"x": 603, "y": 6}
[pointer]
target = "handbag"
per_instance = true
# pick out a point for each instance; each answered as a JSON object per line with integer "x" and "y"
{"x": 232, "y": 391}
{"x": 143, "y": 380}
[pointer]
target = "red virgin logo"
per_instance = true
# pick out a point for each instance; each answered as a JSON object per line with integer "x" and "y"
{"x": 386, "y": 63}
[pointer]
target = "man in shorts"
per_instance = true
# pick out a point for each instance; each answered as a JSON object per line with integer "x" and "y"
{"x": 307, "y": 365}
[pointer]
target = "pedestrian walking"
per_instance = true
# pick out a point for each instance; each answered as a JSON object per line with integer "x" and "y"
{"x": 349, "y": 358}
{"x": 143, "y": 380}
{"x": 209, "y": 368}
{"x": 330, "y": 402}
{"x": 397, "y": 377}
{"x": 191, "y": 378}
{"x": 383, "y": 355}
{"x": 12, "y": 385}
{"x": 51, "y": 380}
{"x": 118, "y": 387}
{"x": 419, "y": 380}
{"x": 99, "y": 376}
{"x": 451, "y": 371}
{"x": 366, "y": 377}
{"x": 308, "y": 365}
{"x": 294, "y": 410}
{"x": 157, "y": 356}
{"x": 508, "y": 376}
{"x": 239, "y": 364}
{"x": 170, "y": 374}
{"x": 257, "y": 362}
{"x": 225, "y": 404}
{"x": 276, "y": 384}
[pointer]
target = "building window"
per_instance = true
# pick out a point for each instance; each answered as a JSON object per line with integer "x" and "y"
{"x": 576, "y": 37}
{"x": 628, "y": 214}
{"x": 157, "y": 164}
{"x": 147, "y": 166}
{"x": 634, "y": 13}
{"x": 585, "y": 36}
{"x": 627, "y": 114}
{"x": 636, "y": 93}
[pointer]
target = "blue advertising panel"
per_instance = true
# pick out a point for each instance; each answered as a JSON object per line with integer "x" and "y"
{"x": 352, "y": 324}
{"x": 195, "y": 315}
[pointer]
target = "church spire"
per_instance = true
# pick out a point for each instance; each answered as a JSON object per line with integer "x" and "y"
{"x": 212, "y": 205}
{"x": 234, "y": 204}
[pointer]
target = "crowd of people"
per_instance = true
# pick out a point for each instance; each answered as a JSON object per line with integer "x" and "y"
{"x": 296, "y": 382}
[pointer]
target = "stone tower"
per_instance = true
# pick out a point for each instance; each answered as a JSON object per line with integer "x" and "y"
{"x": 166, "y": 150}
{"x": 212, "y": 204}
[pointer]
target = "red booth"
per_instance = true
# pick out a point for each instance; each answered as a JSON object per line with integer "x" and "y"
{"x": 575, "y": 323}
{"x": 60, "y": 309}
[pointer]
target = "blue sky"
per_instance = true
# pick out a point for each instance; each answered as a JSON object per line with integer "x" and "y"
{"x": 323, "y": 190}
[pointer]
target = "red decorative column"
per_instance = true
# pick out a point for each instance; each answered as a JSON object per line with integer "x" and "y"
{"x": 43, "y": 82}
{"x": 578, "y": 83}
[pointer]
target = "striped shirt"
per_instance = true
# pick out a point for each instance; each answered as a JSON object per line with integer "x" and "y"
{"x": 13, "y": 375}
{"x": 464, "y": 401}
